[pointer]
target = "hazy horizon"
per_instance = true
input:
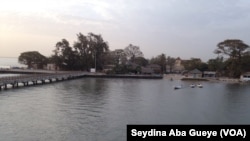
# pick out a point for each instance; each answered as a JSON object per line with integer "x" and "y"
{"x": 185, "y": 29}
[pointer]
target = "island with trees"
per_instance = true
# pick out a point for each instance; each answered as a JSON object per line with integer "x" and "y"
{"x": 91, "y": 51}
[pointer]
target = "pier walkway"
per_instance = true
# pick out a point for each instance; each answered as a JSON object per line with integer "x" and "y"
{"x": 35, "y": 79}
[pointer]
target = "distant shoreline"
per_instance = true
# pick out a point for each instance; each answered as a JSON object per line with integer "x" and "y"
{"x": 87, "y": 74}
{"x": 221, "y": 79}
{"x": 125, "y": 76}
{"x": 102, "y": 75}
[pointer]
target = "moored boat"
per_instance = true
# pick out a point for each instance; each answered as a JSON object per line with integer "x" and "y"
{"x": 199, "y": 86}
{"x": 177, "y": 87}
{"x": 192, "y": 85}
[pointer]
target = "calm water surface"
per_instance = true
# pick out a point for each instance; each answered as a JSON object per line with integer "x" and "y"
{"x": 10, "y": 61}
{"x": 93, "y": 109}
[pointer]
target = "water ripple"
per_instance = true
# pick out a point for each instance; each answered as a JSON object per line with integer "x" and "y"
{"x": 99, "y": 109}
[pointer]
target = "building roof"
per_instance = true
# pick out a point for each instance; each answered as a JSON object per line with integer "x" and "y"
{"x": 195, "y": 71}
{"x": 146, "y": 70}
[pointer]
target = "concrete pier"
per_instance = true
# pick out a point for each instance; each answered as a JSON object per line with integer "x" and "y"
{"x": 39, "y": 77}
{"x": 35, "y": 79}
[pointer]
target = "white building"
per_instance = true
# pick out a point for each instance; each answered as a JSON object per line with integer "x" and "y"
{"x": 245, "y": 77}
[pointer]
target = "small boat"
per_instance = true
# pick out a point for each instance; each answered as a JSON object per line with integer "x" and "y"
{"x": 192, "y": 85}
{"x": 199, "y": 86}
{"x": 177, "y": 87}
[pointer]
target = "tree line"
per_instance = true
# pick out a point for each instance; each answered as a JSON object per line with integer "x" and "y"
{"x": 91, "y": 51}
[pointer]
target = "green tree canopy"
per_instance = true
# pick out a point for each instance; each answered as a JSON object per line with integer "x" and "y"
{"x": 160, "y": 60}
{"x": 118, "y": 56}
{"x": 170, "y": 62}
{"x": 141, "y": 61}
{"x": 235, "y": 49}
{"x": 87, "y": 52}
{"x": 98, "y": 49}
{"x": 193, "y": 63}
{"x": 64, "y": 57}
{"x": 216, "y": 64}
{"x": 245, "y": 63}
{"x": 132, "y": 52}
{"x": 32, "y": 58}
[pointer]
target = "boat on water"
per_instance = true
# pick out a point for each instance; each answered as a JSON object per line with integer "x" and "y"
{"x": 192, "y": 85}
{"x": 199, "y": 86}
{"x": 177, "y": 87}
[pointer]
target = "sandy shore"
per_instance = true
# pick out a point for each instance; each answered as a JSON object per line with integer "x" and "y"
{"x": 173, "y": 76}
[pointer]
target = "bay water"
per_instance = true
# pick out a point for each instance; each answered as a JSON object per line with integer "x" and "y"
{"x": 93, "y": 109}
{"x": 99, "y": 109}
{"x": 10, "y": 62}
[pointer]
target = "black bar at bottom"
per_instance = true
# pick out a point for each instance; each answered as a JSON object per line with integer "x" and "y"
{"x": 193, "y": 132}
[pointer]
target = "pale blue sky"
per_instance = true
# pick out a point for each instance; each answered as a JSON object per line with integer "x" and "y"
{"x": 178, "y": 28}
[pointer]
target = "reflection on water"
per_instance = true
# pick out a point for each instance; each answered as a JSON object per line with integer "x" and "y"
{"x": 93, "y": 109}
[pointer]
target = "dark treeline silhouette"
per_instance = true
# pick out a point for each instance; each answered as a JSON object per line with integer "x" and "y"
{"x": 91, "y": 51}
{"x": 87, "y": 52}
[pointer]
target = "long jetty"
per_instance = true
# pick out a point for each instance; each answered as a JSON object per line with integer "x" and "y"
{"x": 35, "y": 79}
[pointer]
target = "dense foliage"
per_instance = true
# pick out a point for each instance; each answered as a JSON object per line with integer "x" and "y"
{"x": 236, "y": 50}
{"x": 87, "y": 52}
{"x": 91, "y": 51}
{"x": 160, "y": 60}
{"x": 32, "y": 59}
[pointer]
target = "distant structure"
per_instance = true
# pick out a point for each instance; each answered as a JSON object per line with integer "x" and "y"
{"x": 209, "y": 74}
{"x": 178, "y": 66}
{"x": 194, "y": 74}
{"x": 145, "y": 70}
{"x": 151, "y": 69}
{"x": 245, "y": 77}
